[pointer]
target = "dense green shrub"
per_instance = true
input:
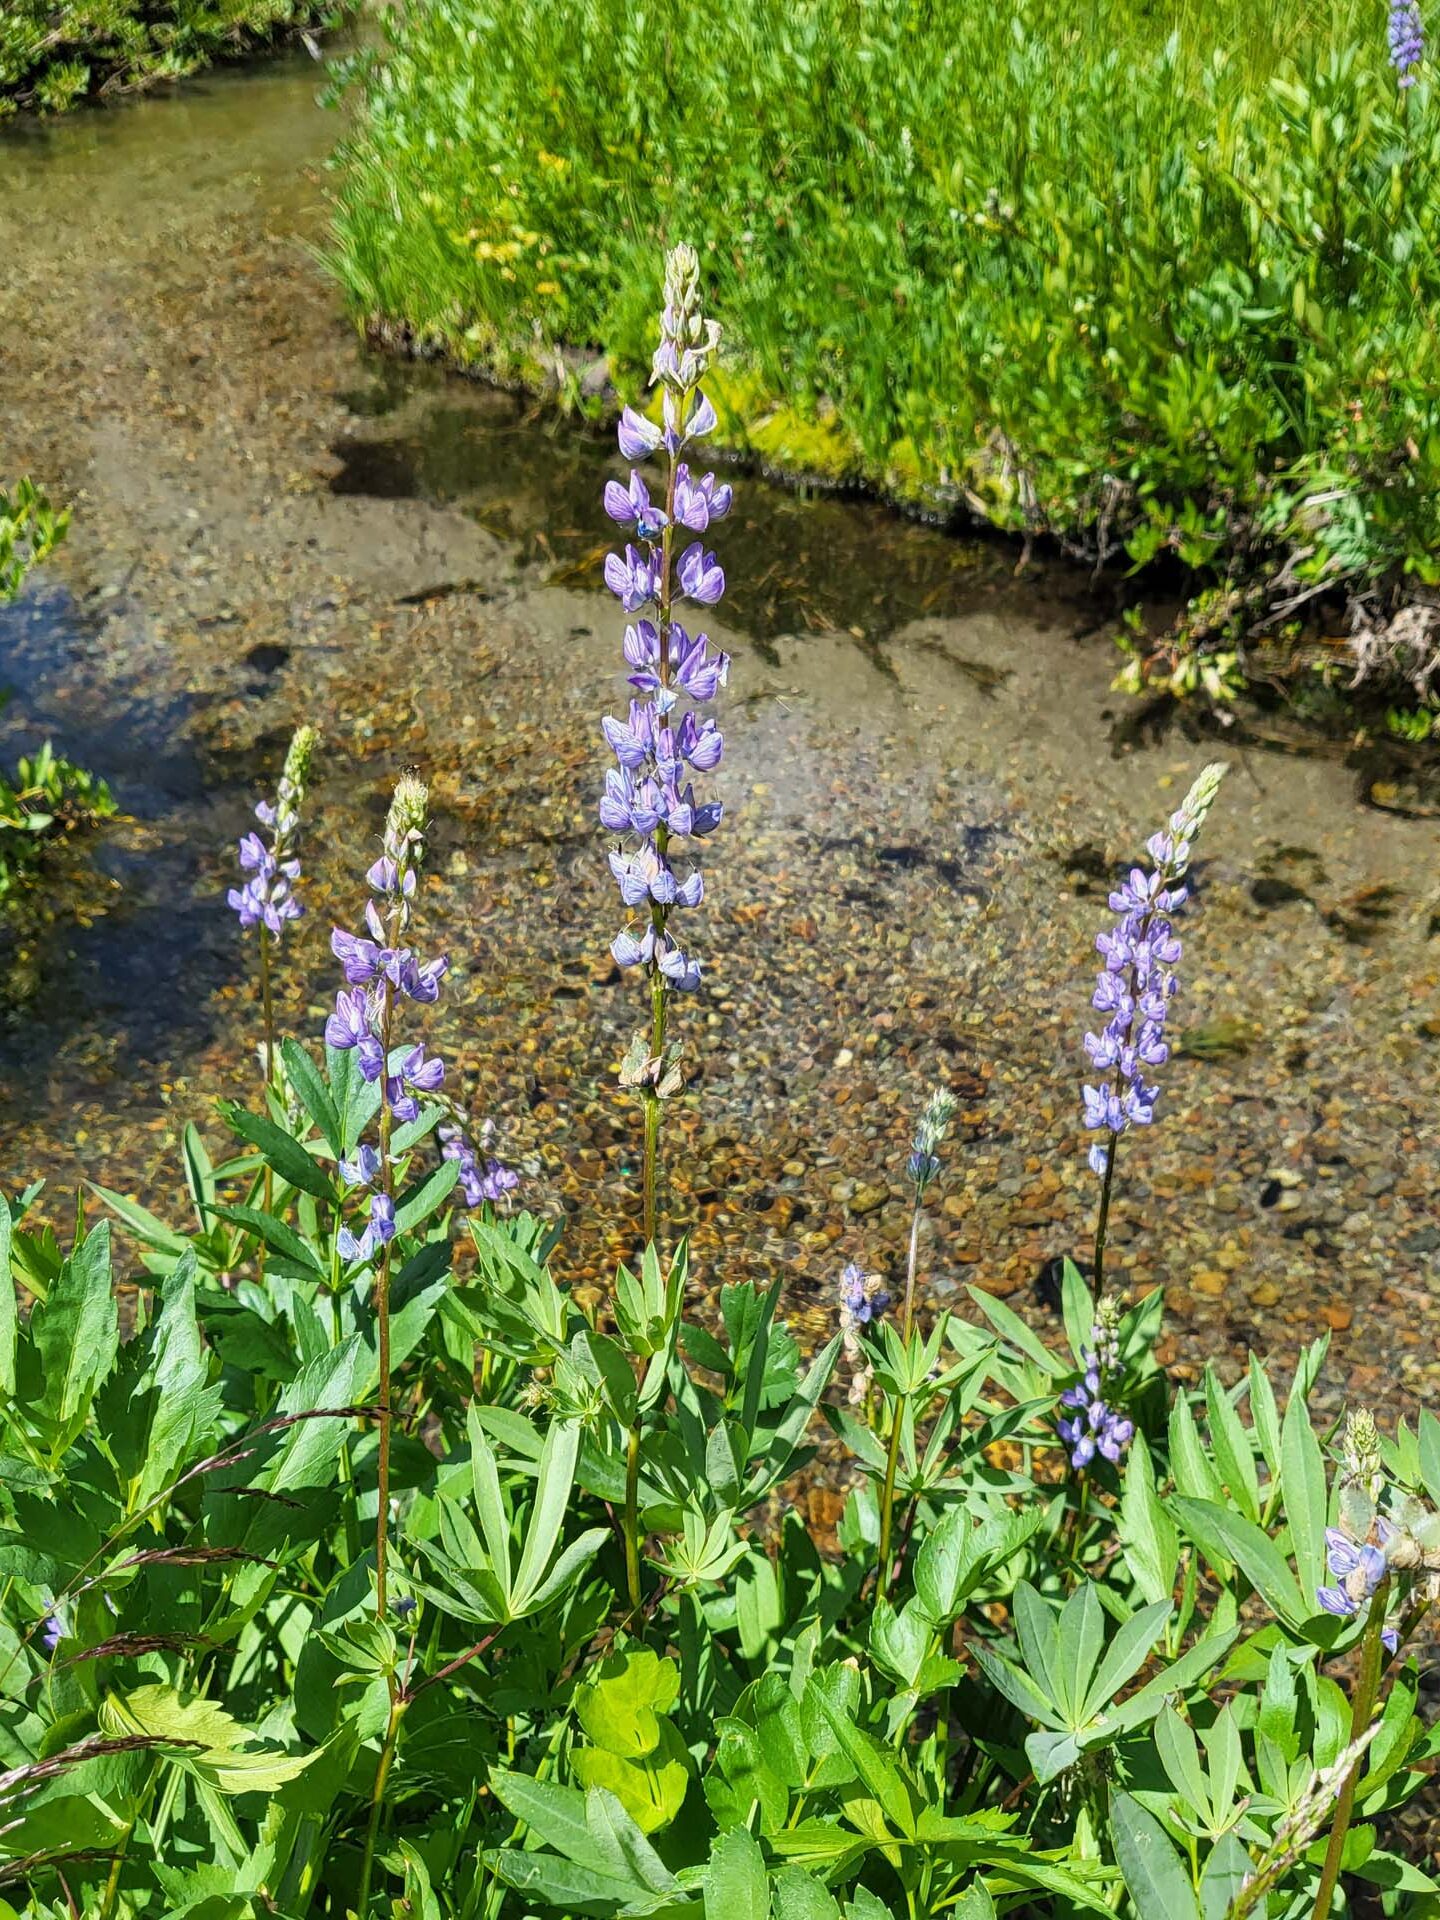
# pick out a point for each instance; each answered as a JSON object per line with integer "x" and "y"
{"x": 52, "y": 55}
{"x": 1150, "y": 295}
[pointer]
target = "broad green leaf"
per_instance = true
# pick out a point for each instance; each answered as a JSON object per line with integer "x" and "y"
{"x": 624, "y": 1844}
{"x": 209, "y": 1743}
{"x": 1157, "y": 1879}
{"x": 1080, "y": 1636}
{"x": 305, "y": 1077}
{"x": 1226, "y": 1872}
{"x": 552, "y": 1498}
{"x": 1195, "y": 1478}
{"x": 141, "y": 1222}
{"x": 285, "y": 1155}
{"x": 736, "y": 1884}
{"x": 555, "y": 1813}
{"x": 489, "y": 1501}
{"x": 798, "y": 1895}
{"x": 416, "y": 1207}
{"x": 1265, "y": 1415}
{"x": 76, "y": 1331}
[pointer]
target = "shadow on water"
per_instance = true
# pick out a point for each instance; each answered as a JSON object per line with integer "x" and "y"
{"x": 797, "y": 562}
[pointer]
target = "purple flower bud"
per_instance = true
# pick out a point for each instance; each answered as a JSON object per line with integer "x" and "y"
{"x": 638, "y": 437}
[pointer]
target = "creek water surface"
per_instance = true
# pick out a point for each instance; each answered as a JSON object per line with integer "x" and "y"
{"x": 928, "y": 787}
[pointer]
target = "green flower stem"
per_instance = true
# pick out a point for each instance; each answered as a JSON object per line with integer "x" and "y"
{"x": 398, "y": 1703}
{"x": 1362, "y": 1707}
{"x": 267, "y": 1011}
{"x": 632, "y": 1516}
{"x": 887, "y": 1500}
{"x": 383, "y": 1407}
{"x": 910, "y": 1265}
{"x": 1102, "y": 1221}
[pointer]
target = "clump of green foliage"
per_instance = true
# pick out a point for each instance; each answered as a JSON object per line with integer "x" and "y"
{"x": 47, "y": 794}
{"x": 1147, "y": 295}
{"x": 52, "y": 56}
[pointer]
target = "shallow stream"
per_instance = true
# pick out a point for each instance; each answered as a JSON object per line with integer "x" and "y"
{"x": 928, "y": 784}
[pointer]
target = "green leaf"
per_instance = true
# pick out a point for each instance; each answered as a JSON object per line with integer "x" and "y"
{"x": 1429, "y": 1437}
{"x": 76, "y": 1331}
{"x": 141, "y": 1222}
{"x": 1252, "y": 1550}
{"x": 1195, "y": 1477}
{"x": 305, "y": 1077}
{"x": 561, "y": 1883}
{"x": 1231, "y": 1443}
{"x": 209, "y": 1743}
{"x": 876, "y": 1766}
{"x": 1265, "y": 1415}
{"x": 798, "y": 1895}
{"x": 736, "y": 1884}
{"x": 1080, "y": 1636}
{"x": 1157, "y": 1879}
{"x": 1226, "y": 1872}
{"x": 1011, "y": 1327}
{"x": 427, "y": 1198}
{"x": 285, "y": 1155}
{"x": 1152, "y": 1546}
{"x": 1302, "y": 1482}
{"x": 1126, "y": 1655}
{"x": 555, "y": 1813}
{"x": 276, "y": 1235}
{"x": 553, "y": 1485}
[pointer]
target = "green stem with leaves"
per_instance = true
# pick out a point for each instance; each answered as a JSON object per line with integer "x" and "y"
{"x": 1362, "y": 1708}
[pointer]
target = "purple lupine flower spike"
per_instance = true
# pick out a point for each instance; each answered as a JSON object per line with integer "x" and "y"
{"x": 1095, "y": 1426}
{"x": 648, "y": 803}
{"x": 267, "y": 896}
{"x": 1137, "y": 981}
{"x": 1406, "y": 35}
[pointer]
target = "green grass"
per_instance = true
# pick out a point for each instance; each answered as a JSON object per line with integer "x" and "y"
{"x": 54, "y": 53}
{"x": 1146, "y": 290}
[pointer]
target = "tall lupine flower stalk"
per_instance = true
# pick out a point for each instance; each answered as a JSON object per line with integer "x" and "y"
{"x": 381, "y": 972}
{"x": 266, "y": 896}
{"x": 1406, "y": 35}
{"x": 649, "y": 800}
{"x": 923, "y": 1166}
{"x": 1135, "y": 988}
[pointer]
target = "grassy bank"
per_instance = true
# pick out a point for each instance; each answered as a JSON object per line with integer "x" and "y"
{"x": 52, "y": 56}
{"x": 1146, "y": 294}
